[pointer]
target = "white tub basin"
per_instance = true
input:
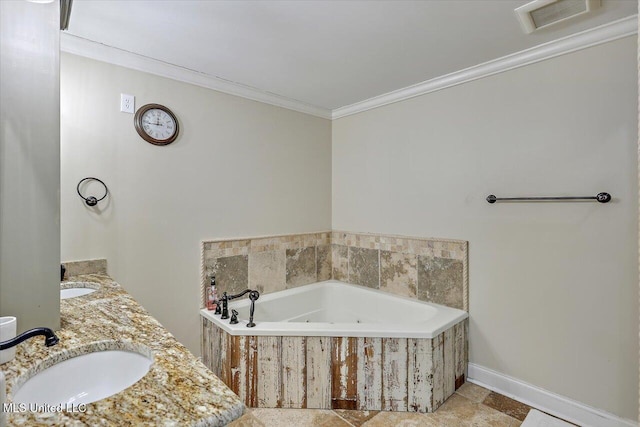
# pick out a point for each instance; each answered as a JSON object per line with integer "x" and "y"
{"x": 338, "y": 309}
{"x": 84, "y": 379}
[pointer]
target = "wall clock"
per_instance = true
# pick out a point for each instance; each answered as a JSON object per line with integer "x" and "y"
{"x": 156, "y": 124}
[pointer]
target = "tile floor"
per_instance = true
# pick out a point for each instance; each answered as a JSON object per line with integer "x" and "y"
{"x": 471, "y": 405}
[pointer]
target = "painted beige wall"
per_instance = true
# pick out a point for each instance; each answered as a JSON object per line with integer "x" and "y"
{"x": 553, "y": 287}
{"x": 238, "y": 168}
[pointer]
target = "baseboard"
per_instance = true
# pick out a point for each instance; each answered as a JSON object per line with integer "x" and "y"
{"x": 552, "y": 403}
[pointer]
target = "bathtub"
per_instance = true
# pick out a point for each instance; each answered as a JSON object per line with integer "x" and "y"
{"x": 333, "y": 345}
{"x": 337, "y": 309}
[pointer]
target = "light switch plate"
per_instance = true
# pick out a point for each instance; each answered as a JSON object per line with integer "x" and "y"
{"x": 127, "y": 103}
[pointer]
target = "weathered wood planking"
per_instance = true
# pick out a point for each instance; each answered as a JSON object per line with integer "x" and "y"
{"x": 344, "y": 372}
{"x": 466, "y": 347}
{"x": 395, "y": 374}
{"x": 294, "y": 372}
{"x": 225, "y": 358}
{"x": 369, "y": 374}
{"x": 205, "y": 342}
{"x": 437, "y": 354}
{"x": 238, "y": 363}
{"x": 459, "y": 354}
{"x": 420, "y": 383}
{"x": 269, "y": 372}
{"x": 251, "y": 373}
{"x": 319, "y": 372}
{"x": 449, "y": 363}
{"x": 216, "y": 351}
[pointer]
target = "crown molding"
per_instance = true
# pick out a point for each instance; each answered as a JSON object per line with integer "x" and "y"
{"x": 101, "y": 52}
{"x": 605, "y": 33}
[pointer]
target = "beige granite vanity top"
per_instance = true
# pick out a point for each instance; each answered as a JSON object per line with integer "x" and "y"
{"x": 178, "y": 390}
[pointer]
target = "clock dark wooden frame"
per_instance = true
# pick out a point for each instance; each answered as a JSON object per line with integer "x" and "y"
{"x": 137, "y": 120}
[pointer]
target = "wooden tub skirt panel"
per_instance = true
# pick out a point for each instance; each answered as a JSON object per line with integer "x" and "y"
{"x": 389, "y": 374}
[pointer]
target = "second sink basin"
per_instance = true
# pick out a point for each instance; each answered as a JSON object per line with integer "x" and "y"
{"x": 77, "y": 289}
{"x": 84, "y": 379}
{"x": 75, "y": 292}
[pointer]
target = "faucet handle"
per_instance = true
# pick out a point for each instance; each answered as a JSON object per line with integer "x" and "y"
{"x": 234, "y": 317}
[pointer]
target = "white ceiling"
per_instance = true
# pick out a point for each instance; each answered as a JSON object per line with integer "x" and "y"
{"x": 327, "y": 54}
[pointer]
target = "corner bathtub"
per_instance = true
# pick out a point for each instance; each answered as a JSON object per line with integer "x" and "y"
{"x": 333, "y": 345}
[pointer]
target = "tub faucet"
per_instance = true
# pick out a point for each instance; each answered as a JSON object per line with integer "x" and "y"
{"x": 253, "y": 296}
{"x": 49, "y": 338}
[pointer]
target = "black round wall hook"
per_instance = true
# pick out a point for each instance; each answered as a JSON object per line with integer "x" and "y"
{"x": 92, "y": 200}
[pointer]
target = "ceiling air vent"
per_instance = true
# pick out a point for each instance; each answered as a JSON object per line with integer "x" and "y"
{"x": 542, "y": 13}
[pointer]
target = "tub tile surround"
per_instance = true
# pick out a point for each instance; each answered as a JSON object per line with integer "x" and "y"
{"x": 364, "y": 267}
{"x": 301, "y": 266}
{"x": 399, "y": 273}
{"x": 233, "y": 271}
{"x": 271, "y": 263}
{"x": 340, "y": 262}
{"x": 323, "y": 254}
{"x": 432, "y": 270}
{"x": 438, "y": 281}
{"x": 267, "y": 267}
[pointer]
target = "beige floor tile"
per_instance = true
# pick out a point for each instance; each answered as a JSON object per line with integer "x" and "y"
{"x": 401, "y": 419}
{"x": 473, "y": 392}
{"x": 247, "y": 420}
{"x": 356, "y": 418}
{"x": 460, "y": 411}
{"x": 298, "y": 418}
{"x": 506, "y": 405}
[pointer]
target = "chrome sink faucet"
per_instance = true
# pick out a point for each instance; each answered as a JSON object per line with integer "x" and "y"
{"x": 50, "y": 338}
{"x": 253, "y": 296}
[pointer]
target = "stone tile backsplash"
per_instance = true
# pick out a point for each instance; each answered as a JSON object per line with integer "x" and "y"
{"x": 364, "y": 267}
{"x": 233, "y": 271}
{"x": 439, "y": 281}
{"x": 340, "y": 262}
{"x": 268, "y": 264}
{"x": 92, "y": 266}
{"x": 399, "y": 273}
{"x": 267, "y": 267}
{"x": 323, "y": 259}
{"x": 301, "y": 266}
{"x": 433, "y": 270}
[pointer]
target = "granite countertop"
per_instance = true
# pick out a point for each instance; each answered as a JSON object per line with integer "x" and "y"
{"x": 178, "y": 389}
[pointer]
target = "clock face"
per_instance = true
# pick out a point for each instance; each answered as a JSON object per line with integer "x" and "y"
{"x": 156, "y": 124}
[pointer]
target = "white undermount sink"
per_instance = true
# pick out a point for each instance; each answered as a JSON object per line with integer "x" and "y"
{"x": 84, "y": 379}
{"x": 76, "y": 289}
{"x": 75, "y": 292}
